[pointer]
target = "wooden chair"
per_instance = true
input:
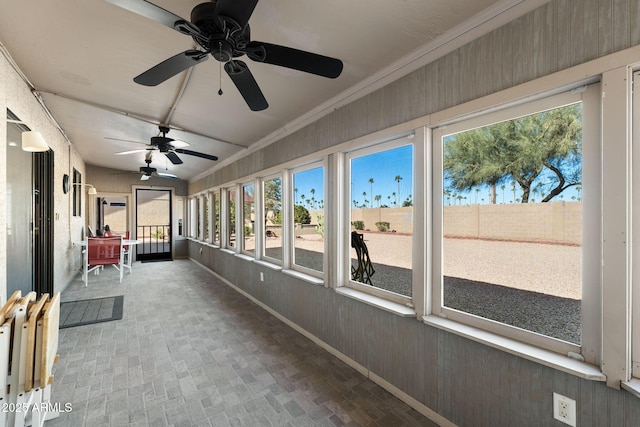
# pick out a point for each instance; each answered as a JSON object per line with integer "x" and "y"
{"x": 103, "y": 251}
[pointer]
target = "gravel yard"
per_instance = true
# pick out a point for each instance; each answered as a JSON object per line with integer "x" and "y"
{"x": 533, "y": 286}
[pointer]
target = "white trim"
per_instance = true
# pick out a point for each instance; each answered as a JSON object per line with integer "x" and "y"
{"x": 306, "y": 277}
{"x": 616, "y": 248}
{"x": 478, "y": 120}
{"x": 381, "y": 303}
{"x": 263, "y": 236}
{"x": 368, "y": 149}
{"x": 320, "y": 164}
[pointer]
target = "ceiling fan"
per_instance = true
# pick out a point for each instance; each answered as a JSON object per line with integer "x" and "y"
{"x": 221, "y": 28}
{"x": 147, "y": 171}
{"x": 167, "y": 146}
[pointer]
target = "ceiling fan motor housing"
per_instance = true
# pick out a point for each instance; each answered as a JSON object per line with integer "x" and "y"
{"x": 147, "y": 170}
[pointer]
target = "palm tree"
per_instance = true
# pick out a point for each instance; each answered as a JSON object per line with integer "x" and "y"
{"x": 377, "y": 199}
{"x": 364, "y": 197}
{"x": 502, "y": 188}
{"x": 295, "y": 199}
{"x": 313, "y": 199}
{"x": 397, "y": 179}
{"x": 371, "y": 184}
{"x": 395, "y": 201}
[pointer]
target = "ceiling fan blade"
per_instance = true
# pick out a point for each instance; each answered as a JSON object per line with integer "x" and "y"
{"x": 122, "y": 153}
{"x": 239, "y": 11}
{"x": 144, "y": 177}
{"x": 166, "y": 175}
{"x": 173, "y": 158}
{"x": 170, "y": 67}
{"x": 149, "y": 10}
{"x": 246, "y": 84}
{"x": 196, "y": 154}
{"x": 294, "y": 58}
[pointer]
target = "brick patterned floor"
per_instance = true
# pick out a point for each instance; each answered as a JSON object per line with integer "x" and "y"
{"x": 190, "y": 351}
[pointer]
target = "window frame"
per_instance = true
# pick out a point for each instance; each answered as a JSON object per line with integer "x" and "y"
{"x": 417, "y": 270}
{"x": 243, "y": 249}
{"x": 215, "y": 222}
{"x": 591, "y": 248}
{"x": 289, "y": 222}
{"x": 263, "y": 210}
{"x": 227, "y": 216}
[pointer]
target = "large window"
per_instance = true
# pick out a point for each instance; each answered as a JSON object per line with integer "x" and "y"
{"x": 509, "y": 214}
{"x": 216, "y": 217}
{"x": 192, "y": 224}
{"x": 248, "y": 218}
{"x": 231, "y": 218}
{"x": 308, "y": 219}
{"x": 206, "y": 216}
{"x": 272, "y": 212}
{"x": 381, "y": 220}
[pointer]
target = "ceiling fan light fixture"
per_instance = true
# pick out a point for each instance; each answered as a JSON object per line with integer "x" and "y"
{"x": 34, "y": 142}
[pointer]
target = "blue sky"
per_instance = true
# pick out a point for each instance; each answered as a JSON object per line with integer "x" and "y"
{"x": 383, "y": 167}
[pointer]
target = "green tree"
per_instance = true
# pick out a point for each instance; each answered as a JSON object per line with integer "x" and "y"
{"x": 397, "y": 179}
{"x": 519, "y": 149}
{"x": 301, "y": 215}
{"x": 273, "y": 198}
{"x": 371, "y": 185}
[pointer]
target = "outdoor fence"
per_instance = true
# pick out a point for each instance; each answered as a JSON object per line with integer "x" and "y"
{"x": 556, "y": 222}
{"x": 155, "y": 238}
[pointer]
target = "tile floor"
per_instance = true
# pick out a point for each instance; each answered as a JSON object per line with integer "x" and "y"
{"x": 191, "y": 351}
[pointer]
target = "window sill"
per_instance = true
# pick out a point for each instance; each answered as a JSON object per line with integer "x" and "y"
{"x": 632, "y": 386}
{"x": 307, "y": 278}
{"x": 525, "y": 351}
{"x": 228, "y": 251}
{"x": 268, "y": 264}
{"x": 245, "y": 257}
{"x": 381, "y": 303}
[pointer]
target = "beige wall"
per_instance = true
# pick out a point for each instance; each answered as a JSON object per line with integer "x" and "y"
{"x": 557, "y": 222}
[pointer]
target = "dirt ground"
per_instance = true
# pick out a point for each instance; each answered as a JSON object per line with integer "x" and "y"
{"x": 544, "y": 268}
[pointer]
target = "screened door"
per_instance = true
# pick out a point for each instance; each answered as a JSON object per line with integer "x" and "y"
{"x": 153, "y": 224}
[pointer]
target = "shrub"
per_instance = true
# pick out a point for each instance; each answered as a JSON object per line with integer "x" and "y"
{"x": 301, "y": 215}
{"x": 320, "y": 226}
{"x": 358, "y": 225}
{"x": 383, "y": 226}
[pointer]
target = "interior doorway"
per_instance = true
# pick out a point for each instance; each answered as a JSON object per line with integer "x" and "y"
{"x": 153, "y": 224}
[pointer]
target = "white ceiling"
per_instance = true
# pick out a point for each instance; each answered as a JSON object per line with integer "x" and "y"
{"x": 81, "y": 56}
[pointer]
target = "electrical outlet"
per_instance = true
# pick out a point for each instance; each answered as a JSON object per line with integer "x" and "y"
{"x": 261, "y": 276}
{"x": 564, "y": 409}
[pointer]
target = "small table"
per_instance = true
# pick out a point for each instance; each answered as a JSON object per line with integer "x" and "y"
{"x": 85, "y": 253}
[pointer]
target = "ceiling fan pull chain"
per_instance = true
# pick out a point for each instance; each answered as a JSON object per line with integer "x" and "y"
{"x": 220, "y": 69}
